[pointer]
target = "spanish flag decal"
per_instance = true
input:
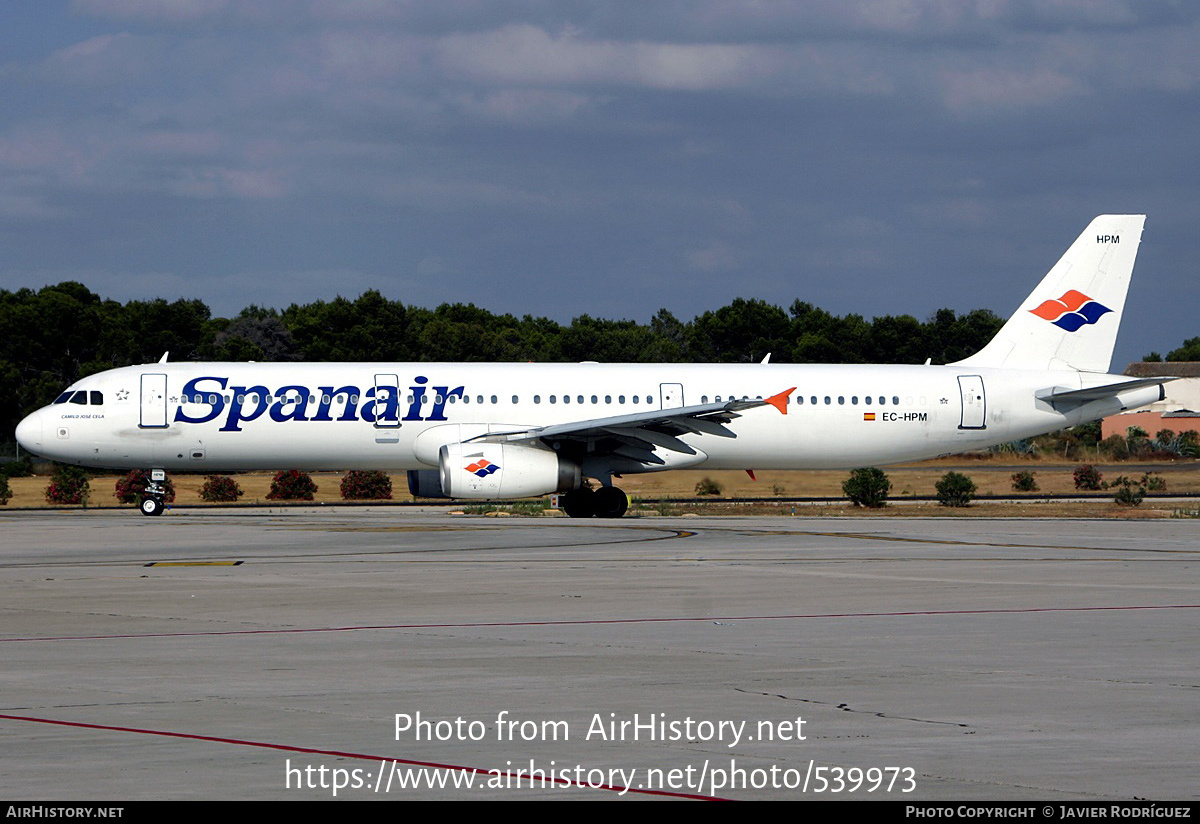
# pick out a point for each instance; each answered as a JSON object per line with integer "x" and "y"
{"x": 868, "y": 416}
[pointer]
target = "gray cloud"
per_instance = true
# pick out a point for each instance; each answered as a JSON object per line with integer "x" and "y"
{"x": 562, "y": 157}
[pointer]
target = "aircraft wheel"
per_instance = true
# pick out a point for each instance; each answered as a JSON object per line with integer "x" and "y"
{"x": 152, "y": 506}
{"x": 579, "y": 503}
{"x": 611, "y": 502}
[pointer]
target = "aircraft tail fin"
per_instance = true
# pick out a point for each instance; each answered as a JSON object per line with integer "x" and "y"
{"x": 1070, "y": 320}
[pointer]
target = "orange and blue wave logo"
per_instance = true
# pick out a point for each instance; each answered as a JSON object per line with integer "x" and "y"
{"x": 1072, "y": 311}
{"x": 482, "y": 467}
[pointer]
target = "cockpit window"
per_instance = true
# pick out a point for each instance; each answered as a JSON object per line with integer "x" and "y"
{"x": 80, "y": 397}
{"x": 96, "y": 398}
{"x": 64, "y": 397}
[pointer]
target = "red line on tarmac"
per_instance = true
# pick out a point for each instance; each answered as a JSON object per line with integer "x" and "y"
{"x": 596, "y": 622}
{"x": 341, "y": 754}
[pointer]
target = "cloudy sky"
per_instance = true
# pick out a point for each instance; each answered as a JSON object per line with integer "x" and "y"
{"x": 561, "y": 158}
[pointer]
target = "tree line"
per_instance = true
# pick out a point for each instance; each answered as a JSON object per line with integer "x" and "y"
{"x": 58, "y": 334}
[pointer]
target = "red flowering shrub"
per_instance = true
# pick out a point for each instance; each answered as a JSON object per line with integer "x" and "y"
{"x": 220, "y": 489}
{"x": 292, "y": 485}
{"x": 68, "y": 485}
{"x": 1087, "y": 477}
{"x": 366, "y": 485}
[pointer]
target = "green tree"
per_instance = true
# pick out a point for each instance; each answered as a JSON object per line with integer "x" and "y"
{"x": 867, "y": 486}
{"x": 955, "y": 489}
{"x": 1190, "y": 351}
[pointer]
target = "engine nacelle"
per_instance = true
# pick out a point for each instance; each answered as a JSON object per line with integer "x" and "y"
{"x": 503, "y": 470}
{"x": 426, "y": 483}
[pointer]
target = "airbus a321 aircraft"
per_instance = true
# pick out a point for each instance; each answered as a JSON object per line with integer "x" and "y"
{"x": 511, "y": 430}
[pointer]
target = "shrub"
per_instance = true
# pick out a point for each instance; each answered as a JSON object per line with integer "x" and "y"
{"x": 5, "y": 490}
{"x": 955, "y": 489}
{"x": 867, "y": 487}
{"x": 23, "y": 467}
{"x": 1154, "y": 482}
{"x": 1024, "y": 482}
{"x": 1087, "y": 477}
{"x": 292, "y": 485}
{"x": 68, "y": 485}
{"x": 365, "y": 485}
{"x": 1137, "y": 439}
{"x": 220, "y": 489}
{"x": 1190, "y": 439}
{"x": 1129, "y": 492}
{"x": 132, "y": 488}
{"x": 1115, "y": 447}
{"x": 708, "y": 486}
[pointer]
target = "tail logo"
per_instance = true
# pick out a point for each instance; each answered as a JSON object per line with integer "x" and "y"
{"x": 1072, "y": 311}
{"x": 482, "y": 468}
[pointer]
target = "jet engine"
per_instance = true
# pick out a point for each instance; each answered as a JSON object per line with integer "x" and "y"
{"x": 494, "y": 470}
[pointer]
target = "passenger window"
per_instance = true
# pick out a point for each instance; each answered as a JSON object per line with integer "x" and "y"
{"x": 494, "y": 399}
{"x": 854, "y": 400}
{"x": 595, "y": 399}
{"x": 516, "y": 399}
{"x": 828, "y": 400}
{"x": 537, "y": 398}
{"x": 620, "y": 398}
{"x": 608, "y": 398}
{"x": 554, "y": 399}
{"x": 635, "y": 398}
{"x": 566, "y": 398}
{"x": 579, "y": 398}
{"x": 841, "y": 400}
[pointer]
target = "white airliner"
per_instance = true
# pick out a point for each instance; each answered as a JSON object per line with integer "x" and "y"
{"x": 509, "y": 430}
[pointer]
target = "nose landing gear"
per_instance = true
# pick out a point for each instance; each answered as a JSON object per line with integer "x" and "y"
{"x": 155, "y": 494}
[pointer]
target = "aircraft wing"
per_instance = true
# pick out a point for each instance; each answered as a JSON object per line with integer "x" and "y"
{"x": 635, "y": 436}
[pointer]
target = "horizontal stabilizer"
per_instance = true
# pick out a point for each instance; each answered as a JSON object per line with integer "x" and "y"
{"x": 1095, "y": 393}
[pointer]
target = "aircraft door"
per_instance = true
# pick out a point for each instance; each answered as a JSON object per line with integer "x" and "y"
{"x": 154, "y": 402}
{"x": 670, "y": 395}
{"x": 974, "y": 402}
{"x": 387, "y": 409}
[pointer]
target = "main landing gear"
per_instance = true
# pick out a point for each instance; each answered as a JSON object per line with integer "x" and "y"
{"x": 605, "y": 502}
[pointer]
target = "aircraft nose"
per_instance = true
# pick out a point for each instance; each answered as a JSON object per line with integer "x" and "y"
{"x": 29, "y": 433}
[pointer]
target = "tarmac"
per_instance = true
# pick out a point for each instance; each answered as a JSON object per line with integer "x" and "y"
{"x": 377, "y": 653}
